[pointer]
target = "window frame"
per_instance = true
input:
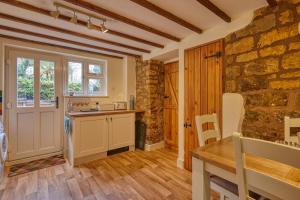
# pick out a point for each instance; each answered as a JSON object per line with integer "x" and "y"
{"x": 86, "y": 76}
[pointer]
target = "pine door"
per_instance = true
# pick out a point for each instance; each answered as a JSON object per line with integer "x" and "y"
{"x": 203, "y": 90}
{"x": 171, "y": 105}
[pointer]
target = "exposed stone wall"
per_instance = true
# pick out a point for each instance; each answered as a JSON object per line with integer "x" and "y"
{"x": 262, "y": 62}
{"x": 150, "y": 97}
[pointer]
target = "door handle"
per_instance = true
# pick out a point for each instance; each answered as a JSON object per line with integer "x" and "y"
{"x": 57, "y": 102}
{"x": 111, "y": 119}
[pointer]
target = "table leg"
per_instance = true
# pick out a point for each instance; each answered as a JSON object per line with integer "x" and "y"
{"x": 200, "y": 181}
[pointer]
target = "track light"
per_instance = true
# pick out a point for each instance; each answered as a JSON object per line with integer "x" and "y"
{"x": 55, "y": 14}
{"x": 89, "y": 24}
{"x": 103, "y": 28}
{"x": 74, "y": 19}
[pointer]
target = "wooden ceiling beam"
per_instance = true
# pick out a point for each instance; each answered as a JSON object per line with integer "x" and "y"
{"x": 213, "y": 8}
{"x": 272, "y": 3}
{"x": 16, "y": 30}
{"x": 154, "y": 8}
{"x": 80, "y": 22}
{"x": 57, "y": 45}
{"x": 102, "y": 11}
{"x": 53, "y": 28}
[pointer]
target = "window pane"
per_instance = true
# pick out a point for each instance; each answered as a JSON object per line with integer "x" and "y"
{"x": 47, "y": 85}
{"x": 75, "y": 85}
{"x": 25, "y": 82}
{"x": 95, "y": 69}
{"x": 96, "y": 86}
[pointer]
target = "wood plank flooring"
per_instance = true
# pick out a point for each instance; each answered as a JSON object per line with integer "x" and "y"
{"x": 131, "y": 175}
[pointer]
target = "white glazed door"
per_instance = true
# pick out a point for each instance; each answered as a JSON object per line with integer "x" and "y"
{"x": 35, "y": 103}
{"x": 121, "y": 130}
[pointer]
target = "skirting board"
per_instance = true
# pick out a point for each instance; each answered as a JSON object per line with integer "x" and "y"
{"x": 180, "y": 163}
{"x": 152, "y": 147}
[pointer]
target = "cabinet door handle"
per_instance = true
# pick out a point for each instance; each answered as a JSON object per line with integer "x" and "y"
{"x": 111, "y": 119}
{"x": 106, "y": 119}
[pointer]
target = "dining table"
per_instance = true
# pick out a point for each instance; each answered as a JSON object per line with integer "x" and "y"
{"x": 218, "y": 159}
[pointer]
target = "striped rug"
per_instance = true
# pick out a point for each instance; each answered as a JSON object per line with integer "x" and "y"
{"x": 35, "y": 165}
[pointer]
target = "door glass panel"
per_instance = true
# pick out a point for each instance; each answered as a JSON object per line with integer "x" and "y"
{"x": 47, "y": 83}
{"x": 25, "y": 82}
{"x": 75, "y": 77}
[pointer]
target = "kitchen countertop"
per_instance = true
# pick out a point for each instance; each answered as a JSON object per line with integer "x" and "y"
{"x": 98, "y": 113}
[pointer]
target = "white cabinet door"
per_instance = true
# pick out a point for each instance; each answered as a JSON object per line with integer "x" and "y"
{"x": 121, "y": 130}
{"x": 91, "y": 135}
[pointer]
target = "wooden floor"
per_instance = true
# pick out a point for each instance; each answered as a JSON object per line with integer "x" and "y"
{"x": 129, "y": 175}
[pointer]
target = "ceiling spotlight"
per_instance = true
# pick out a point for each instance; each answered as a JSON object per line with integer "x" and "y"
{"x": 55, "y": 14}
{"x": 103, "y": 28}
{"x": 74, "y": 19}
{"x": 89, "y": 24}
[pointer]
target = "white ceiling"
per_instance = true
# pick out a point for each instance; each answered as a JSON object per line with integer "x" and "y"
{"x": 189, "y": 10}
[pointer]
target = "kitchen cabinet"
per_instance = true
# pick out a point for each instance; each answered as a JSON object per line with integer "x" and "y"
{"x": 121, "y": 131}
{"x": 93, "y": 136}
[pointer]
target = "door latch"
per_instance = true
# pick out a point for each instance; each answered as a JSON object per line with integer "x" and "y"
{"x": 186, "y": 125}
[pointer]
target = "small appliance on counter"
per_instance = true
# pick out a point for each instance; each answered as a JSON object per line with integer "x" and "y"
{"x": 120, "y": 105}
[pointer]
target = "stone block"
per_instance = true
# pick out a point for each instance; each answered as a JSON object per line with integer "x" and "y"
{"x": 253, "y": 83}
{"x": 257, "y": 26}
{"x": 232, "y": 72}
{"x": 230, "y": 86}
{"x": 286, "y": 17}
{"x": 240, "y": 46}
{"x": 229, "y": 60}
{"x": 291, "y": 61}
{"x": 294, "y": 1}
{"x": 267, "y": 99}
{"x": 285, "y": 84}
{"x": 247, "y": 57}
{"x": 262, "y": 67}
{"x": 290, "y": 75}
{"x": 294, "y": 45}
{"x": 278, "y": 34}
{"x": 272, "y": 51}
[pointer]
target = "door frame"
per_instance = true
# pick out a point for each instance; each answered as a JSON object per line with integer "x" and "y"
{"x": 40, "y": 54}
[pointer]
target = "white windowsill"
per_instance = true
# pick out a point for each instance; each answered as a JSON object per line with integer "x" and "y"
{"x": 85, "y": 96}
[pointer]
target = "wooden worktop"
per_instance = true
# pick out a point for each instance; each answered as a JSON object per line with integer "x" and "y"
{"x": 221, "y": 154}
{"x": 99, "y": 113}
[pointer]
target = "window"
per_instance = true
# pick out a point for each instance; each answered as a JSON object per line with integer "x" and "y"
{"x": 86, "y": 78}
{"x": 47, "y": 83}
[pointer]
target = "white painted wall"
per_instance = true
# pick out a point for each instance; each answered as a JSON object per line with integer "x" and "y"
{"x": 193, "y": 40}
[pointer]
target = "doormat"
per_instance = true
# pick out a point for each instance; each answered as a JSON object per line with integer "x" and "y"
{"x": 35, "y": 165}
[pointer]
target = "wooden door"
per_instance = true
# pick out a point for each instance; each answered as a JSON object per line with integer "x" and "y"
{"x": 121, "y": 131}
{"x": 203, "y": 90}
{"x": 35, "y": 104}
{"x": 171, "y": 106}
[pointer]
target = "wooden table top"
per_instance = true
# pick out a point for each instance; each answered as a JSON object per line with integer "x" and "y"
{"x": 221, "y": 154}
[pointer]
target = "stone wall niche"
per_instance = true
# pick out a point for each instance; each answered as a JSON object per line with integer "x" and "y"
{"x": 150, "y": 98}
{"x": 262, "y": 62}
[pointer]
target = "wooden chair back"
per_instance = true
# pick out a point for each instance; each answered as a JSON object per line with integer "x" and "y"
{"x": 203, "y": 136}
{"x": 288, "y": 124}
{"x": 266, "y": 184}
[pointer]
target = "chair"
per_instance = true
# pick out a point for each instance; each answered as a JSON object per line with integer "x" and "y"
{"x": 288, "y": 124}
{"x": 233, "y": 113}
{"x": 224, "y": 187}
{"x": 268, "y": 186}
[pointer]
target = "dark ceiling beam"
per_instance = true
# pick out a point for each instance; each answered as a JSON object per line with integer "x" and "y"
{"x": 80, "y": 22}
{"x": 53, "y": 28}
{"x": 154, "y": 8}
{"x": 213, "y": 8}
{"x": 272, "y": 3}
{"x": 102, "y": 11}
{"x": 56, "y": 45}
{"x": 16, "y": 30}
